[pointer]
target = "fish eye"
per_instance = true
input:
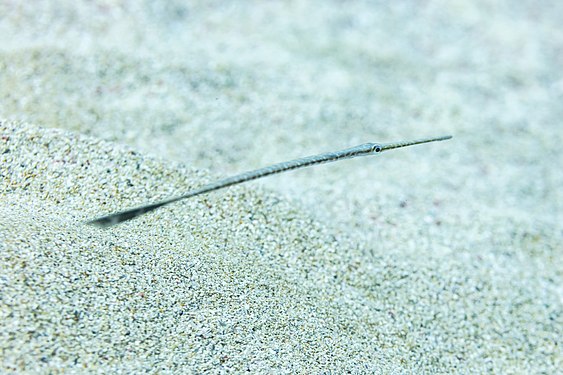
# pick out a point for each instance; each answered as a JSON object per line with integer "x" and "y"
{"x": 377, "y": 148}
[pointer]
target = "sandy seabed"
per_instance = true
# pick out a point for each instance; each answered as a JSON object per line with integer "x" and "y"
{"x": 441, "y": 258}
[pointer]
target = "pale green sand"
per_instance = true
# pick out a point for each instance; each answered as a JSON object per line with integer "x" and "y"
{"x": 238, "y": 280}
{"x": 434, "y": 259}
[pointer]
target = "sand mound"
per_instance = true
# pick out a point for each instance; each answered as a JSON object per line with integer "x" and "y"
{"x": 234, "y": 280}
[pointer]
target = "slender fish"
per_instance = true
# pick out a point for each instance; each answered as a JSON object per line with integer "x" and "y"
{"x": 353, "y": 152}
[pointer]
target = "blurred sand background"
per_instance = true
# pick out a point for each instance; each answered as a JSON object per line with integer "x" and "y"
{"x": 439, "y": 258}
